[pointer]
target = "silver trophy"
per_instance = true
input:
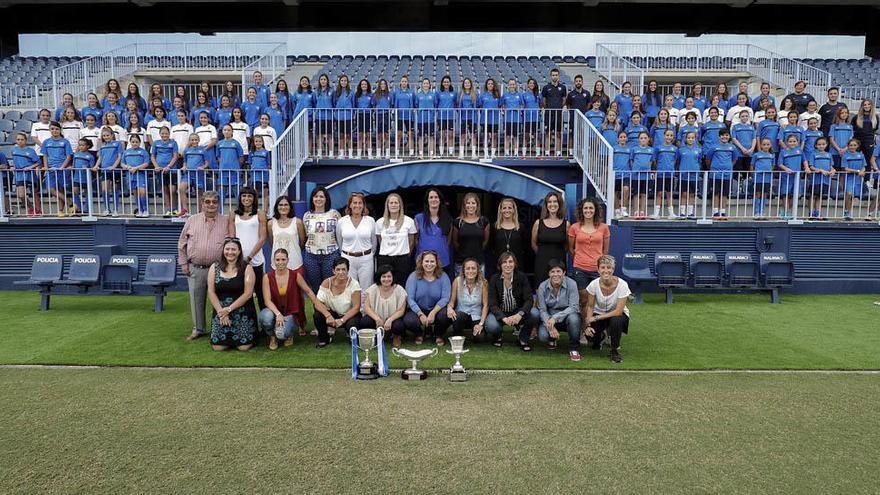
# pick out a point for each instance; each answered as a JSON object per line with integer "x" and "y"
{"x": 414, "y": 356}
{"x": 367, "y": 339}
{"x": 457, "y": 373}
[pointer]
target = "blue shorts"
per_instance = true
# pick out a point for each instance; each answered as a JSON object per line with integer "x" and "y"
{"x": 195, "y": 178}
{"x": 80, "y": 177}
{"x": 853, "y": 184}
{"x": 259, "y": 177}
{"x": 25, "y": 178}
{"x": 138, "y": 180}
{"x": 786, "y": 184}
{"x": 228, "y": 178}
{"x": 57, "y": 179}
{"x": 511, "y": 128}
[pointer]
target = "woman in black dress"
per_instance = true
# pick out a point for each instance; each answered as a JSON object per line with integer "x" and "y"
{"x": 231, "y": 291}
{"x": 549, "y": 237}
{"x": 507, "y": 234}
{"x": 470, "y": 233}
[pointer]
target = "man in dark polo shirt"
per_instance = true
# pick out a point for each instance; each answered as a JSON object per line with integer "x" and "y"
{"x": 829, "y": 110}
{"x": 553, "y": 101}
{"x": 577, "y": 99}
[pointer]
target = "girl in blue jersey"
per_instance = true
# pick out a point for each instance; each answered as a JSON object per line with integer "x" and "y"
{"x": 93, "y": 107}
{"x": 195, "y": 162}
{"x": 511, "y": 103}
{"x": 532, "y": 116}
{"x": 231, "y": 157}
{"x": 251, "y": 108}
{"x": 111, "y": 120}
{"x": 811, "y": 134}
{"x": 664, "y": 158}
{"x": 230, "y": 91}
{"x": 260, "y": 163}
{"x": 136, "y": 162}
{"x": 446, "y": 104}
{"x": 164, "y": 156}
{"x": 769, "y": 129}
{"x": 791, "y": 161}
{"x": 304, "y": 99}
{"x": 135, "y": 128}
{"x": 689, "y": 125}
{"x": 711, "y": 127}
{"x": 743, "y": 137}
{"x": 82, "y": 161}
{"x": 621, "y": 119}
{"x": 822, "y": 169}
{"x": 26, "y": 162}
{"x": 624, "y": 99}
{"x": 621, "y": 165}
{"x": 467, "y": 104}
{"x": 595, "y": 114}
{"x": 323, "y": 117}
{"x": 660, "y": 126}
{"x": 839, "y": 135}
{"x": 113, "y": 105}
{"x": 202, "y": 104}
{"x": 488, "y": 104}
{"x": 426, "y": 103}
{"x": 382, "y": 104}
{"x": 700, "y": 101}
{"x": 720, "y": 169}
{"x": 642, "y": 158}
{"x": 638, "y": 107}
{"x": 277, "y": 114}
{"x": 343, "y": 102}
{"x": 211, "y": 100}
{"x": 363, "y": 101}
{"x": 131, "y": 108}
{"x": 180, "y": 92}
{"x": 791, "y": 129}
{"x": 57, "y": 155}
{"x": 610, "y": 127}
{"x": 635, "y": 128}
{"x": 224, "y": 112}
{"x": 653, "y": 101}
{"x": 112, "y": 86}
{"x": 762, "y": 164}
{"x": 723, "y": 98}
{"x": 854, "y": 167}
{"x": 403, "y": 99}
{"x": 109, "y": 157}
{"x": 282, "y": 92}
{"x": 690, "y": 159}
{"x": 156, "y": 91}
{"x": 178, "y": 104}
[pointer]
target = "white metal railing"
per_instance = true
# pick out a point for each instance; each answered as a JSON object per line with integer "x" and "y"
{"x": 151, "y": 193}
{"x": 28, "y": 96}
{"x": 288, "y": 155}
{"x": 272, "y": 66}
{"x": 191, "y": 89}
{"x": 595, "y": 156}
{"x": 212, "y": 57}
{"x": 617, "y": 69}
{"x": 709, "y": 58}
{"x": 82, "y": 77}
{"x": 770, "y": 196}
{"x": 853, "y": 95}
{"x": 439, "y": 133}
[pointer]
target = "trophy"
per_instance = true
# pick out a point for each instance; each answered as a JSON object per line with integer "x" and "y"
{"x": 414, "y": 356}
{"x": 457, "y": 373}
{"x": 365, "y": 339}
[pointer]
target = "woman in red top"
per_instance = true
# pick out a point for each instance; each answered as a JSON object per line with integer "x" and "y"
{"x": 588, "y": 239}
{"x": 283, "y": 294}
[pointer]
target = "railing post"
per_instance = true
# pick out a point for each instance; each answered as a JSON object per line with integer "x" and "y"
{"x": 3, "y": 217}
{"x": 793, "y": 214}
{"x": 85, "y": 75}
{"x": 55, "y": 87}
{"x": 748, "y": 59}
{"x": 90, "y": 199}
{"x": 705, "y": 195}
{"x": 274, "y": 174}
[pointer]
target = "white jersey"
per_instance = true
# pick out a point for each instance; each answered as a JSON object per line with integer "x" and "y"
{"x": 153, "y": 129}
{"x": 241, "y": 132}
{"x": 72, "y": 131}
{"x": 39, "y": 133}
{"x": 181, "y": 133}
{"x": 268, "y": 134}
{"x": 93, "y": 135}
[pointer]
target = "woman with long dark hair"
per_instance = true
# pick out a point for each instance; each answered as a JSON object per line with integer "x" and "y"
{"x": 231, "y": 290}
{"x": 248, "y": 224}
{"x": 435, "y": 224}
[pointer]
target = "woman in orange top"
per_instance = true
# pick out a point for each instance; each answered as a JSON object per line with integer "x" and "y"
{"x": 588, "y": 239}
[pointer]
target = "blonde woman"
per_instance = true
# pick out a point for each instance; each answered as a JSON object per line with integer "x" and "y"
{"x": 396, "y": 238}
{"x": 470, "y": 232}
{"x": 606, "y": 308}
{"x": 469, "y": 302}
{"x": 507, "y": 232}
{"x": 865, "y": 125}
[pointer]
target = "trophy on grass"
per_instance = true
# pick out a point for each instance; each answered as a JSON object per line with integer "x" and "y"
{"x": 414, "y": 356}
{"x": 367, "y": 339}
{"x": 457, "y": 373}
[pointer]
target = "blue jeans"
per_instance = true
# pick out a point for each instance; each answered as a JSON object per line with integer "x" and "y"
{"x": 267, "y": 324}
{"x": 570, "y": 324}
{"x": 318, "y": 267}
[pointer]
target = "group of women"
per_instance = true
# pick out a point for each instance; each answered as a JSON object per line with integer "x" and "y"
{"x": 417, "y": 277}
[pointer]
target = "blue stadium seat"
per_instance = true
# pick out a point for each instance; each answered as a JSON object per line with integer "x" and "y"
{"x": 706, "y": 270}
{"x": 32, "y": 115}
{"x": 45, "y": 273}
{"x": 776, "y": 273}
{"x": 13, "y": 115}
{"x": 741, "y": 269}
{"x": 119, "y": 273}
{"x": 637, "y": 271}
{"x": 84, "y": 272}
{"x": 671, "y": 272}
{"x": 160, "y": 273}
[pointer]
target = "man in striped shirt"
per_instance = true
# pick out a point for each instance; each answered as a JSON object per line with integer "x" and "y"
{"x": 199, "y": 246}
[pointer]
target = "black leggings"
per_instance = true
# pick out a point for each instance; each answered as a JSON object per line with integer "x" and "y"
{"x": 414, "y": 325}
{"x": 401, "y": 266}
{"x": 616, "y": 326}
{"x": 397, "y": 327}
{"x": 321, "y": 325}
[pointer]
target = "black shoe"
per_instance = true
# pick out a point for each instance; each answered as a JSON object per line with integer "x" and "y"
{"x": 615, "y": 357}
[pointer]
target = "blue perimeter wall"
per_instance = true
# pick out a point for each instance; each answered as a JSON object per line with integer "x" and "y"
{"x": 828, "y": 258}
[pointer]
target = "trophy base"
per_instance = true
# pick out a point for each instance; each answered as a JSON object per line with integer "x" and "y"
{"x": 414, "y": 375}
{"x": 367, "y": 373}
{"x": 457, "y": 376}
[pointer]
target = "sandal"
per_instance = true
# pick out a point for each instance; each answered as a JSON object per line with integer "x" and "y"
{"x": 551, "y": 345}
{"x": 498, "y": 343}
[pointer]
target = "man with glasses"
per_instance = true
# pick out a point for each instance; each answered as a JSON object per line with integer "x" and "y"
{"x": 199, "y": 246}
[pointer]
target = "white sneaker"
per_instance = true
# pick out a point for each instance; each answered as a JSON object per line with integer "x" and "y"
{"x": 624, "y": 213}
{"x": 672, "y": 215}
{"x": 656, "y": 215}
{"x": 617, "y": 213}
{"x": 105, "y": 213}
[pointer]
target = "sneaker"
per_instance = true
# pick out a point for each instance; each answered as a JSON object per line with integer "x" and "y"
{"x": 615, "y": 356}
{"x": 167, "y": 214}
{"x": 876, "y": 303}
{"x": 574, "y": 356}
{"x": 105, "y": 213}
{"x": 61, "y": 214}
{"x": 273, "y": 343}
{"x": 313, "y": 333}
{"x": 30, "y": 212}
{"x": 624, "y": 213}
{"x": 114, "y": 214}
{"x": 72, "y": 210}
{"x": 673, "y": 216}
{"x": 184, "y": 212}
{"x": 655, "y": 215}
